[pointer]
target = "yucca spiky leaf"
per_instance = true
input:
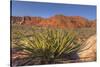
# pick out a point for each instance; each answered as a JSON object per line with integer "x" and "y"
{"x": 49, "y": 43}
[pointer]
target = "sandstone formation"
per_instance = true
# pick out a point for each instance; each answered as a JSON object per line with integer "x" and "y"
{"x": 55, "y": 21}
{"x": 88, "y": 50}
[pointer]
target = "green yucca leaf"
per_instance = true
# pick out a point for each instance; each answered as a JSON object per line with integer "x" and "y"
{"x": 49, "y": 43}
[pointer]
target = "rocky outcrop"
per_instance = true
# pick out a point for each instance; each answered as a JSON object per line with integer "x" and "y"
{"x": 25, "y": 20}
{"x": 55, "y": 21}
{"x": 88, "y": 50}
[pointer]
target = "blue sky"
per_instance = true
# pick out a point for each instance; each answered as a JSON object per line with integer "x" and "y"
{"x": 23, "y": 8}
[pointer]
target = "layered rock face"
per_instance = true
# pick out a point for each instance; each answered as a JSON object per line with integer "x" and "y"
{"x": 88, "y": 51}
{"x": 55, "y": 21}
{"x": 25, "y": 20}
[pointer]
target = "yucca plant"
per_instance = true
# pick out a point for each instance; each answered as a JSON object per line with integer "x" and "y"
{"x": 48, "y": 44}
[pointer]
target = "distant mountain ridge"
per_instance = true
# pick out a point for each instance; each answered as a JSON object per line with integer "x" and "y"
{"x": 55, "y": 21}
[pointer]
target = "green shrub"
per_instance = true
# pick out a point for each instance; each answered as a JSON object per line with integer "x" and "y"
{"x": 48, "y": 44}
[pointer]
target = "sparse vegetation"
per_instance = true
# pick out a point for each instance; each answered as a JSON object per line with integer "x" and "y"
{"x": 48, "y": 44}
{"x": 45, "y": 45}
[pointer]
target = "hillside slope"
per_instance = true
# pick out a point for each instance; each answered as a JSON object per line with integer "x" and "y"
{"x": 55, "y": 21}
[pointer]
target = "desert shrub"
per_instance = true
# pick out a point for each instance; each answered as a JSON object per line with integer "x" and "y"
{"x": 48, "y": 44}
